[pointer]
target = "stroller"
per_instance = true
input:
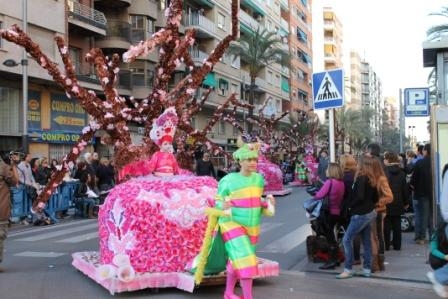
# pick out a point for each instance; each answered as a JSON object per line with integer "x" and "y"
{"x": 318, "y": 249}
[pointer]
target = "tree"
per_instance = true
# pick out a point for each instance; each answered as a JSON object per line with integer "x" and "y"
{"x": 258, "y": 49}
{"x": 434, "y": 33}
{"x": 439, "y": 31}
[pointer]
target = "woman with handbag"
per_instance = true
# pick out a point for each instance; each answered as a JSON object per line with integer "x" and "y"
{"x": 362, "y": 212}
{"x": 333, "y": 192}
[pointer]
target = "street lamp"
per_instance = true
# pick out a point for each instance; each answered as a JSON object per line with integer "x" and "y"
{"x": 411, "y": 128}
{"x": 24, "y": 64}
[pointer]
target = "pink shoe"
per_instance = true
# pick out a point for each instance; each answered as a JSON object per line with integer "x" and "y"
{"x": 232, "y": 296}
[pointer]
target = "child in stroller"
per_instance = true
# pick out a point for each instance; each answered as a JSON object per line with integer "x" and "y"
{"x": 318, "y": 248}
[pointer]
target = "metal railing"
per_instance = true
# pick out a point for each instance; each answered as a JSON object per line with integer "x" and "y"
{"x": 87, "y": 14}
{"x": 118, "y": 29}
{"x": 197, "y": 55}
{"x": 196, "y": 19}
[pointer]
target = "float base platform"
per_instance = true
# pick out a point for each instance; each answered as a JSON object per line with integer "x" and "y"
{"x": 88, "y": 262}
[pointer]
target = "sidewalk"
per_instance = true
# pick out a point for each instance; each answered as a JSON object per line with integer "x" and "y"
{"x": 407, "y": 265}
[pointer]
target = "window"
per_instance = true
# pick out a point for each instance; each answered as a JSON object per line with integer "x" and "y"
{"x": 277, "y": 81}
{"x": 221, "y": 21}
{"x": 301, "y": 35}
{"x": 269, "y": 2}
{"x": 302, "y": 95}
{"x": 1, "y": 41}
{"x": 236, "y": 90}
{"x": 235, "y": 131}
{"x": 269, "y": 26}
{"x": 221, "y": 127}
{"x": 141, "y": 28}
{"x": 278, "y": 104}
{"x": 75, "y": 54}
{"x": 269, "y": 77}
{"x": 9, "y": 110}
{"x": 223, "y": 87}
{"x": 140, "y": 77}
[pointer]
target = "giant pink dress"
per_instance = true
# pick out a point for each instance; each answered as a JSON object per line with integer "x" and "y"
{"x": 157, "y": 221}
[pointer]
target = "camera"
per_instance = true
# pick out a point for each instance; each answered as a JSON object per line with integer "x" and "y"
{"x": 16, "y": 156}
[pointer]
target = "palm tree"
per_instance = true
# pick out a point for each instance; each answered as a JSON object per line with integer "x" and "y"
{"x": 258, "y": 49}
{"x": 434, "y": 33}
{"x": 440, "y": 30}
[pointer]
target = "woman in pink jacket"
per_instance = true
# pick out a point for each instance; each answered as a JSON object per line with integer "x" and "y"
{"x": 334, "y": 187}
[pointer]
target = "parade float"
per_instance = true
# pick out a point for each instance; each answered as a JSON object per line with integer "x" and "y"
{"x": 150, "y": 226}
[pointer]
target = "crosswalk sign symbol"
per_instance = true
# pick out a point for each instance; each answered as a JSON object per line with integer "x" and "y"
{"x": 328, "y": 89}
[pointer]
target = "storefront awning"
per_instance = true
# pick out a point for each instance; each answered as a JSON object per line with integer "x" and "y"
{"x": 210, "y": 80}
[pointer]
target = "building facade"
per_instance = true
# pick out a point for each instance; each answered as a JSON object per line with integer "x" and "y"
{"x": 55, "y": 121}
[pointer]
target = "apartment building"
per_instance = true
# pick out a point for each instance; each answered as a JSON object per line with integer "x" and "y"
{"x": 114, "y": 25}
{"x": 299, "y": 17}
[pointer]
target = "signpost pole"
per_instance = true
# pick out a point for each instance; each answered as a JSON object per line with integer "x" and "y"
{"x": 400, "y": 120}
{"x": 331, "y": 135}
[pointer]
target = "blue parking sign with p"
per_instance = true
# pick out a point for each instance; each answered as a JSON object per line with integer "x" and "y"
{"x": 416, "y": 102}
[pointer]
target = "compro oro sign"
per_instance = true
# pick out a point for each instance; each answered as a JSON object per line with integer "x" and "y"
{"x": 328, "y": 89}
{"x": 416, "y": 102}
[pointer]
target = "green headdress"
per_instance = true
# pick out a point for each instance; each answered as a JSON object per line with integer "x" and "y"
{"x": 246, "y": 151}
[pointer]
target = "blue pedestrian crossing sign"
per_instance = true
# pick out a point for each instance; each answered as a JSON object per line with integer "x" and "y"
{"x": 328, "y": 89}
{"x": 416, "y": 102}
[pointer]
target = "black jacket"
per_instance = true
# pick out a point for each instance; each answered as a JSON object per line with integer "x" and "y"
{"x": 364, "y": 197}
{"x": 422, "y": 178}
{"x": 205, "y": 168}
{"x": 400, "y": 189}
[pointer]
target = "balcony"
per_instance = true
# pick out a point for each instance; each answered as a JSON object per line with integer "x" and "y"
{"x": 113, "y": 3}
{"x": 205, "y": 28}
{"x": 85, "y": 72}
{"x": 284, "y": 5}
{"x": 86, "y": 18}
{"x": 198, "y": 56}
{"x": 249, "y": 22}
{"x": 284, "y": 27}
{"x": 118, "y": 36}
{"x": 255, "y": 5}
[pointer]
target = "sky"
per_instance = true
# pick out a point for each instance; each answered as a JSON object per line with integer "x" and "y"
{"x": 389, "y": 35}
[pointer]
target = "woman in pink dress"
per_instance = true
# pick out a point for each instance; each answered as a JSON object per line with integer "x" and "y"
{"x": 155, "y": 220}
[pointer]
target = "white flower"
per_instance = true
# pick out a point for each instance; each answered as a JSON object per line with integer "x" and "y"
{"x": 64, "y": 50}
{"x": 105, "y": 271}
{"x": 126, "y": 273}
{"x": 121, "y": 259}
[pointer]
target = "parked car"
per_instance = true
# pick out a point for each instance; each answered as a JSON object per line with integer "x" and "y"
{"x": 407, "y": 220}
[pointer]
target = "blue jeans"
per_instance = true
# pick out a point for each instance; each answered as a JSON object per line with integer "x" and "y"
{"x": 359, "y": 224}
{"x": 441, "y": 275}
{"x": 422, "y": 217}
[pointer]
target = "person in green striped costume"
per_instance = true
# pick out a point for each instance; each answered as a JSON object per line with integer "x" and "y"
{"x": 235, "y": 223}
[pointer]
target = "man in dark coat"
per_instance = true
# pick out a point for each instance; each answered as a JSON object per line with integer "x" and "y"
{"x": 400, "y": 190}
{"x": 205, "y": 167}
{"x": 421, "y": 184}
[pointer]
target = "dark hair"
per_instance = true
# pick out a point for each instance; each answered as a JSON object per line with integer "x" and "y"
{"x": 374, "y": 149}
{"x": 445, "y": 169}
{"x": 420, "y": 148}
{"x": 391, "y": 157}
{"x": 427, "y": 147}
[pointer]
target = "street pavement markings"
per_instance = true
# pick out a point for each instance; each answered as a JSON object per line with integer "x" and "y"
{"x": 267, "y": 226}
{"x": 80, "y": 238}
{"x": 289, "y": 241}
{"x": 49, "y": 235}
{"x": 39, "y": 254}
